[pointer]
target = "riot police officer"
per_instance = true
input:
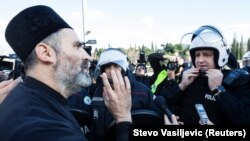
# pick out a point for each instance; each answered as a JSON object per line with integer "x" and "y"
{"x": 225, "y": 94}
{"x": 113, "y": 59}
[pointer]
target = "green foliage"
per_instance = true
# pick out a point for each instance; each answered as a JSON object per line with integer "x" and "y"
{"x": 248, "y": 45}
{"x": 241, "y": 48}
{"x": 169, "y": 48}
{"x": 234, "y": 46}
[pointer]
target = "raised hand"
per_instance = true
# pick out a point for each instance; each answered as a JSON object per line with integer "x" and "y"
{"x": 118, "y": 98}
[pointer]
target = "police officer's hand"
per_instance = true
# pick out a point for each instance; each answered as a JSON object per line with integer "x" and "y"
{"x": 188, "y": 77}
{"x": 215, "y": 78}
{"x": 6, "y": 86}
{"x": 118, "y": 99}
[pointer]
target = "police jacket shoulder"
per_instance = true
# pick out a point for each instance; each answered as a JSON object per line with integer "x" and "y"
{"x": 141, "y": 94}
{"x": 80, "y": 100}
{"x": 235, "y": 101}
{"x": 246, "y": 68}
{"x": 235, "y": 78}
{"x": 143, "y": 79}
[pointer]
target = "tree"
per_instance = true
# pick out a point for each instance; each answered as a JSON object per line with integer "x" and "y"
{"x": 132, "y": 54}
{"x": 152, "y": 47}
{"x": 237, "y": 51}
{"x": 234, "y": 46}
{"x": 99, "y": 51}
{"x": 182, "y": 51}
{"x": 241, "y": 48}
{"x": 169, "y": 48}
{"x": 248, "y": 44}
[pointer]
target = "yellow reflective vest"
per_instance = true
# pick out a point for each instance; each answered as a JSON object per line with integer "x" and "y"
{"x": 161, "y": 76}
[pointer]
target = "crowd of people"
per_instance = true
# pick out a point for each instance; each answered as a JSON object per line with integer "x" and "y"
{"x": 60, "y": 98}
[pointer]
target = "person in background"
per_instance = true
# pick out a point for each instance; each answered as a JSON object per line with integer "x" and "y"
{"x": 225, "y": 94}
{"x": 187, "y": 63}
{"x": 163, "y": 72}
{"x": 56, "y": 66}
{"x": 141, "y": 74}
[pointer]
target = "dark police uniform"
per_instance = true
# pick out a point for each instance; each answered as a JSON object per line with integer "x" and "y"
{"x": 142, "y": 98}
{"x": 80, "y": 106}
{"x": 230, "y": 107}
{"x": 80, "y": 100}
{"x": 143, "y": 79}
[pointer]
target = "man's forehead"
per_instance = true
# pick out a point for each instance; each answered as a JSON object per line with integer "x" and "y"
{"x": 204, "y": 50}
{"x": 110, "y": 64}
{"x": 69, "y": 33}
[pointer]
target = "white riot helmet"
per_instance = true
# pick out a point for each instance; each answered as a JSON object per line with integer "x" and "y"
{"x": 246, "y": 59}
{"x": 113, "y": 55}
{"x": 209, "y": 37}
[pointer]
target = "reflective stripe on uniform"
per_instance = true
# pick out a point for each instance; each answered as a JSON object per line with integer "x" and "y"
{"x": 161, "y": 76}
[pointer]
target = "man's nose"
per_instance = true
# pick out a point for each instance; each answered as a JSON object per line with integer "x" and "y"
{"x": 200, "y": 58}
{"x": 86, "y": 56}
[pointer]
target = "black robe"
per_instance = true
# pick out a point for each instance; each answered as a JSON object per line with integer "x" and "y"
{"x": 34, "y": 111}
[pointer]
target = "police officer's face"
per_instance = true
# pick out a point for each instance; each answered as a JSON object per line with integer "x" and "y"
{"x": 72, "y": 63}
{"x": 110, "y": 67}
{"x": 204, "y": 59}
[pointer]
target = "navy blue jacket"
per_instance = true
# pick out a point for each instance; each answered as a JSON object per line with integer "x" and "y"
{"x": 143, "y": 79}
{"x": 80, "y": 106}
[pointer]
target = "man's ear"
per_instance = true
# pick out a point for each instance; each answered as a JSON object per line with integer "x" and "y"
{"x": 45, "y": 53}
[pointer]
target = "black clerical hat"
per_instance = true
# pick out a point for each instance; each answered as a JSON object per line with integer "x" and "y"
{"x": 31, "y": 26}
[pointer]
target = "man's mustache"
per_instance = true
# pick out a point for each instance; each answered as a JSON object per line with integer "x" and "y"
{"x": 85, "y": 65}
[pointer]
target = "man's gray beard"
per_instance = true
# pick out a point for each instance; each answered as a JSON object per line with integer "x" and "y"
{"x": 70, "y": 84}
{"x": 84, "y": 79}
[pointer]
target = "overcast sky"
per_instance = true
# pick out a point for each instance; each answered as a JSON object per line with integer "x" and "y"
{"x": 121, "y": 23}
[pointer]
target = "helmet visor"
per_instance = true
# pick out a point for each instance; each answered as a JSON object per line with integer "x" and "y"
{"x": 205, "y": 38}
